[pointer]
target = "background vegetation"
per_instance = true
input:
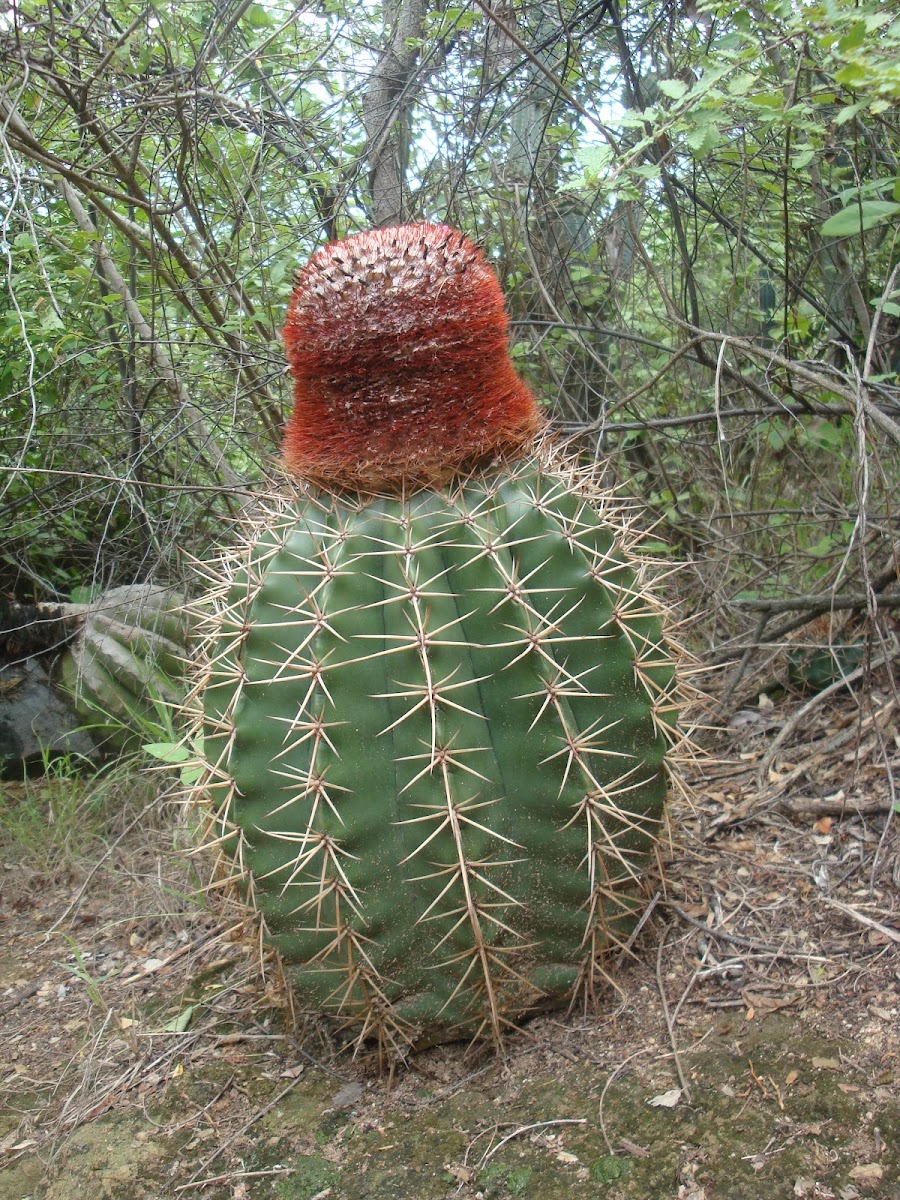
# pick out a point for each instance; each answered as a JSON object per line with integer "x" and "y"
{"x": 694, "y": 209}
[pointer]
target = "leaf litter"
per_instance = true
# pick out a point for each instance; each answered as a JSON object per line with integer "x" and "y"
{"x": 761, "y": 1001}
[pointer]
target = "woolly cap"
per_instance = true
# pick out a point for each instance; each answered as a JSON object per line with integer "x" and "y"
{"x": 397, "y": 340}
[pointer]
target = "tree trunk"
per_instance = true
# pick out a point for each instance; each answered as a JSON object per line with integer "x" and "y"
{"x": 386, "y": 108}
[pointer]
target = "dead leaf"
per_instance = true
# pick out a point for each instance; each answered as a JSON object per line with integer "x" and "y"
{"x": 9, "y": 1143}
{"x": 826, "y": 1064}
{"x": 666, "y": 1099}
{"x": 744, "y": 716}
{"x": 867, "y": 1173}
{"x": 347, "y": 1096}
{"x": 760, "y": 1003}
{"x": 883, "y": 1014}
{"x": 461, "y": 1174}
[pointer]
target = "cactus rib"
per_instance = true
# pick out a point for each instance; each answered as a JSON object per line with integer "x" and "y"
{"x": 453, "y": 706}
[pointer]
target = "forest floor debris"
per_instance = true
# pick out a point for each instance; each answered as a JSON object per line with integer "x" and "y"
{"x": 753, "y": 1049}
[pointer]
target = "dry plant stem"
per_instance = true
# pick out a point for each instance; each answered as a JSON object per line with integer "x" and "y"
{"x": 689, "y": 987}
{"x": 645, "y": 917}
{"x": 828, "y": 806}
{"x": 140, "y": 976}
{"x": 613, "y": 1075}
{"x": 893, "y": 807}
{"x": 489, "y": 1154}
{"x": 257, "y": 1116}
{"x": 670, "y": 1026}
{"x": 737, "y": 939}
{"x": 816, "y": 379}
{"x": 886, "y": 930}
{"x": 136, "y": 319}
{"x": 554, "y": 80}
{"x": 873, "y": 724}
{"x": 740, "y": 670}
{"x": 802, "y": 713}
{"x": 230, "y": 1176}
{"x": 79, "y": 895}
{"x": 822, "y": 602}
{"x": 19, "y": 998}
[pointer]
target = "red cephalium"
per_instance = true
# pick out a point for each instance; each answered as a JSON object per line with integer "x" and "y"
{"x": 397, "y": 340}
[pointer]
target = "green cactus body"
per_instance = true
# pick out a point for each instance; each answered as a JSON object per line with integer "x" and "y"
{"x": 436, "y": 697}
{"x": 438, "y": 726}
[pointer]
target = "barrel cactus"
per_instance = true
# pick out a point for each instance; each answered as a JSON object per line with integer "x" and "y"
{"x": 125, "y": 669}
{"x": 436, "y": 696}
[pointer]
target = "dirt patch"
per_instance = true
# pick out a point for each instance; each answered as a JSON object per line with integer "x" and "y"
{"x": 750, "y": 1052}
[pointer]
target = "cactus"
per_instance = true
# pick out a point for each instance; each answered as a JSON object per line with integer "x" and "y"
{"x": 128, "y": 656}
{"x": 437, "y": 699}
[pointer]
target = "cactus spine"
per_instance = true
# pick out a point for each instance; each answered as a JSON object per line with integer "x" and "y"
{"x": 436, "y": 697}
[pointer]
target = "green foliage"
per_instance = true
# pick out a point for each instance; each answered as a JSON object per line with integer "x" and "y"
{"x": 310, "y": 1176}
{"x": 605, "y": 1170}
{"x": 645, "y": 191}
{"x": 62, "y": 818}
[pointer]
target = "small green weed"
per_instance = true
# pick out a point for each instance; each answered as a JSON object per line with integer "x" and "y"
{"x": 311, "y": 1175}
{"x": 605, "y": 1170}
{"x": 82, "y": 971}
{"x": 60, "y": 818}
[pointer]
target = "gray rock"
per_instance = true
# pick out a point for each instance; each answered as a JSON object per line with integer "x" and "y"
{"x": 35, "y": 720}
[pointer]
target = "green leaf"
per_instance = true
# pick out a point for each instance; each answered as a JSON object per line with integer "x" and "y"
{"x": 850, "y": 76}
{"x": 861, "y": 191}
{"x": 258, "y": 17}
{"x": 703, "y": 140}
{"x": 170, "y": 752}
{"x": 854, "y": 38}
{"x": 673, "y": 88}
{"x": 595, "y": 159}
{"x": 741, "y": 84}
{"x": 180, "y": 1023}
{"x": 767, "y": 99}
{"x": 858, "y": 217}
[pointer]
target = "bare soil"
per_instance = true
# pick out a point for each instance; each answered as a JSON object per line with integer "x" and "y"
{"x": 749, "y": 1049}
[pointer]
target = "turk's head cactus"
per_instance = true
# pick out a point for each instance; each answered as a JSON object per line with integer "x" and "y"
{"x": 437, "y": 698}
